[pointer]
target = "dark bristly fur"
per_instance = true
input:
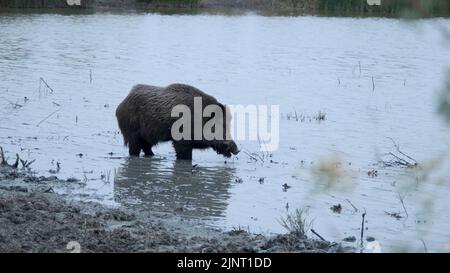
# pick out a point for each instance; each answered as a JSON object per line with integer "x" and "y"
{"x": 144, "y": 118}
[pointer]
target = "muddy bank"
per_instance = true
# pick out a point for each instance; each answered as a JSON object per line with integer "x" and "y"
{"x": 35, "y": 219}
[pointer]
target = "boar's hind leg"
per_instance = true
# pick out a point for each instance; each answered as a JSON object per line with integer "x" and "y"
{"x": 134, "y": 145}
{"x": 183, "y": 150}
{"x": 134, "y": 148}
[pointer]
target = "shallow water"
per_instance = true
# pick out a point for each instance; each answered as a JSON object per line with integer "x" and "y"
{"x": 303, "y": 64}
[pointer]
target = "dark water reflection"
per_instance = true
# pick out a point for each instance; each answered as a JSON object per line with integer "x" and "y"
{"x": 166, "y": 185}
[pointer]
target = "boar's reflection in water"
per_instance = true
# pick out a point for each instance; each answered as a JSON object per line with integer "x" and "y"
{"x": 174, "y": 186}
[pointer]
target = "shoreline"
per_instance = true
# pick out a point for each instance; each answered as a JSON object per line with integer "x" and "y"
{"x": 54, "y": 223}
{"x": 232, "y": 7}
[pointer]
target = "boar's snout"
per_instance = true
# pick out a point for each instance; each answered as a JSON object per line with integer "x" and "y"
{"x": 227, "y": 148}
{"x": 233, "y": 148}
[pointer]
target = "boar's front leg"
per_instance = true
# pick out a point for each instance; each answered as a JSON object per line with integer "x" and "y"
{"x": 147, "y": 149}
{"x": 183, "y": 150}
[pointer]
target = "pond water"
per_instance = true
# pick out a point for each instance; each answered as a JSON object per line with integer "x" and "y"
{"x": 374, "y": 78}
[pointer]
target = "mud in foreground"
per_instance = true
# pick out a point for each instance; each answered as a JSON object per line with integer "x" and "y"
{"x": 34, "y": 219}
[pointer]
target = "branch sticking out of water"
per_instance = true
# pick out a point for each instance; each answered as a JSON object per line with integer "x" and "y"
{"x": 351, "y": 204}
{"x": 15, "y": 105}
{"x": 16, "y": 164}
{"x": 403, "y": 204}
{"x": 398, "y": 150}
{"x": 362, "y": 229}
{"x": 296, "y": 116}
{"x": 254, "y": 156}
{"x": 4, "y": 163}
{"x": 41, "y": 80}
{"x": 400, "y": 159}
{"x": 2, "y": 155}
{"x": 262, "y": 144}
{"x": 47, "y": 117}
{"x": 26, "y": 164}
{"x": 424, "y": 246}
{"x": 318, "y": 235}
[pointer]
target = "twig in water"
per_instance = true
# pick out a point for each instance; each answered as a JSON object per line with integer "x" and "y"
{"x": 254, "y": 155}
{"x": 2, "y": 154}
{"x": 3, "y": 162}
{"x": 424, "y": 245}
{"x": 373, "y": 84}
{"x": 351, "y": 204}
{"x": 49, "y": 190}
{"x": 47, "y": 117}
{"x": 15, "y": 105}
{"x": 400, "y": 161}
{"x": 318, "y": 235}
{"x": 266, "y": 154}
{"x": 362, "y": 229}
{"x": 90, "y": 76}
{"x": 26, "y": 164}
{"x": 16, "y": 164}
{"x": 397, "y": 146}
{"x": 396, "y": 215}
{"x": 262, "y": 159}
{"x": 403, "y": 204}
{"x": 296, "y": 116}
{"x": 397, "y": 160}
{"x": 251, "y": 157}
{"x": 41, "y": 80}
{"x": 115, "y": 157}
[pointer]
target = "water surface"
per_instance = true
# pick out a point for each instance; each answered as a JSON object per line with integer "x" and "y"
{"x": 304, "y": 64}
